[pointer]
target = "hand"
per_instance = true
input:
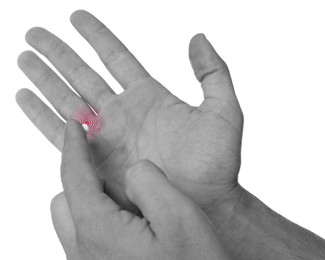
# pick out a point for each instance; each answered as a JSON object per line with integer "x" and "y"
{"x": 91, "y": 225}
{"x": 198, "y": 148}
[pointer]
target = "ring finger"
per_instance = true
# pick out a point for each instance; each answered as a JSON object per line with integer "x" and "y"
{"x": 64, "y": 100}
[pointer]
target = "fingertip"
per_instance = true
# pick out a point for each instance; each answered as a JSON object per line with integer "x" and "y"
{"x": 72, "y": 122}
{"x": 198, "y": 36}
{"x": 73, "y": 126}
{"x": 204, "y": 58}
{"x": 73, "y": 129}
{"x": 77, "y": 16}
{"x": 197, "y": 40}
{"x": 21, "y": 95}
{"x": 33, "y": 33}
{"x": 24, "y": 58}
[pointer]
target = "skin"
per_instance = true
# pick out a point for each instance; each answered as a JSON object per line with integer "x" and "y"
{"x": 94, "y": 226}
{"x": 198, "y": 148}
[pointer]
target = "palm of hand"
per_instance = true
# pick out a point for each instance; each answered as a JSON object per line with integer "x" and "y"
{"x": 197, "y": 148}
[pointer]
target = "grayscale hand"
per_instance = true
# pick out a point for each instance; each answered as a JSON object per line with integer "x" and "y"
{"x": 198, "y": 148}
{"x": 92, "y": 226}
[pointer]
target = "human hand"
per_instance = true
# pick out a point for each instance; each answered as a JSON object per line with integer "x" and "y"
{"x": 198, "y": 148}
{"x": 91, "y": 225}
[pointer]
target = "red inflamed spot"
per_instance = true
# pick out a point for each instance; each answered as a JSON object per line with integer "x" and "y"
{"x": 89, "y": 120}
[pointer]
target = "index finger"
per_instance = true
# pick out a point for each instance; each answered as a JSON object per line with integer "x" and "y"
{"x": 82, "y": 187}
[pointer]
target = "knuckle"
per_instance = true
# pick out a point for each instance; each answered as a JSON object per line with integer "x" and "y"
{"x": 39, "y": 117}
{"x": 224, "y": 66}
{"x": 45, "y": 78}
{"x": 114, "y": 55}
{"x": 59, "y": 49}
{"x": 78, "y": 74}
{"x": 218, "y": 67}
{"x": 97, "y": 32}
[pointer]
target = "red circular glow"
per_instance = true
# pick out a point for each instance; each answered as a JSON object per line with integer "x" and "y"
{"x": 88, "y": 117}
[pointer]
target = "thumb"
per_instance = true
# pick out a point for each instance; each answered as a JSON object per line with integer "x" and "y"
{"x": 160, "y": 202}
{"x": 210, "y": 69}
{"x": 172, "y": 216}
{"x": 62, "y": 222}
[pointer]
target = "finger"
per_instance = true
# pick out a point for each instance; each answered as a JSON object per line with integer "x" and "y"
{"x": 42, "y": 117}
{"x": 64, "y": 100}
{"x": 90, "y": 85}
{"x": 124, "y": 67}
{"x": 63, "y": 223}
{"x": 82, "y": 188}
{"x": 160, "y": 202}
{"x": 210, "y": 69}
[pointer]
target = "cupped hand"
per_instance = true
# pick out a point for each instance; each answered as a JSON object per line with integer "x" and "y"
{"x": 91, "y": 225}
{"x": 198, "y": 148}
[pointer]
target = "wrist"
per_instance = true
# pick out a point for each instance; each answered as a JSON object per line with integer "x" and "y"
{"x": 251, "y": 230}
{"x": 223, "y": 209}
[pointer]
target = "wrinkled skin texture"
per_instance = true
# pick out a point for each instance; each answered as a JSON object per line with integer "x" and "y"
{"x": 198, "y": 148}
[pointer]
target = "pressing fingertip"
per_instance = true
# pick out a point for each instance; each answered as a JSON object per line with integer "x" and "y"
{"x": 73, "y": 124}
{"x": 73, "y": 128}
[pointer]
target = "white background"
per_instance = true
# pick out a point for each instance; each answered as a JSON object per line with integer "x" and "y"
{"x": 275, "y": 52}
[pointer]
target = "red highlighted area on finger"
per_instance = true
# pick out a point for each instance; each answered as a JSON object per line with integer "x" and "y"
{"x": 89, "y": 118}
